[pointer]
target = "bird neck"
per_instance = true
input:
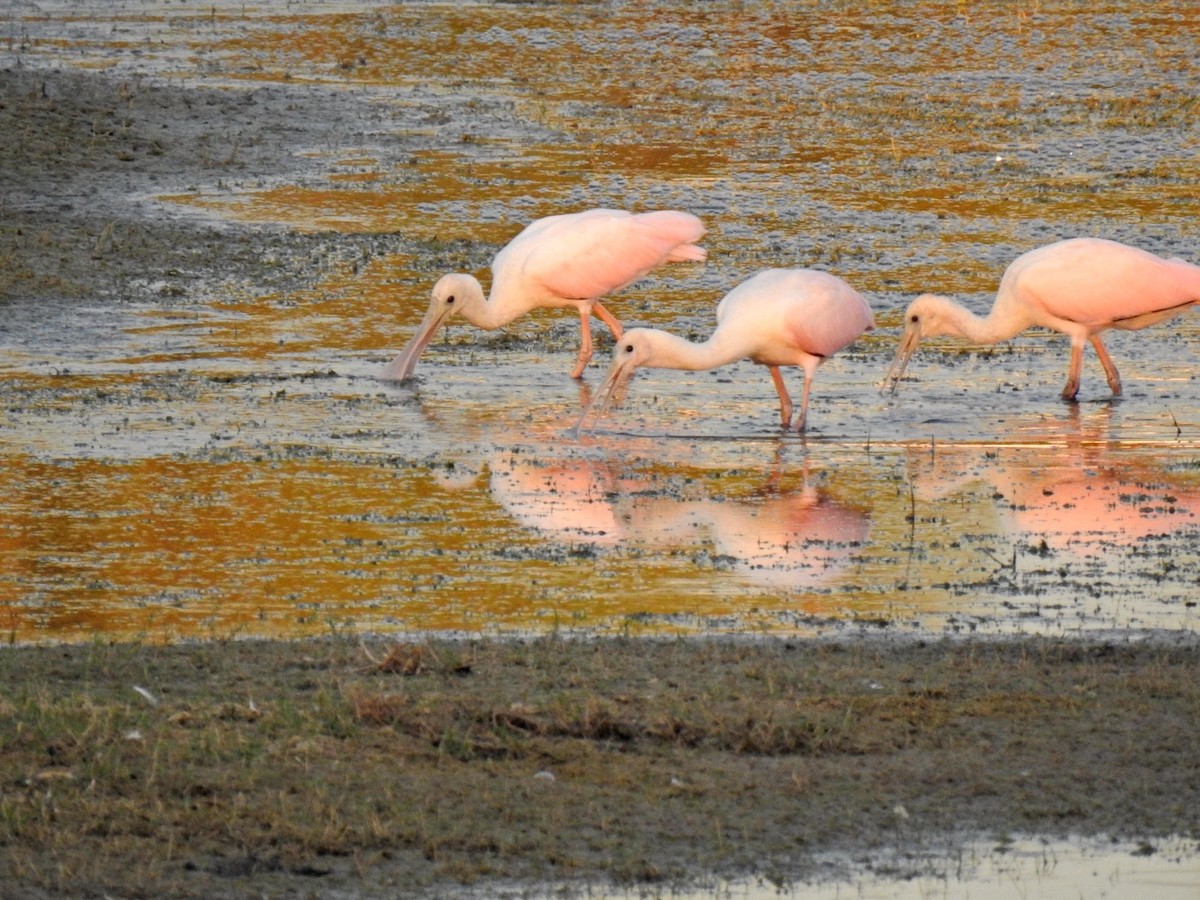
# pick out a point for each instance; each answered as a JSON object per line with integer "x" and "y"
{"x": 993, "y": 328}
{"x": 483, "y": 315}
{"x": 480, "y": 311}
{"x": 674, "y": 352}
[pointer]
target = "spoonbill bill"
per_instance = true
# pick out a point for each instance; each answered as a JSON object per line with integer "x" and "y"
{"x": 569, "y": 260}
{"x": 779, "y": 317}
{"x": 1079, "y": 287}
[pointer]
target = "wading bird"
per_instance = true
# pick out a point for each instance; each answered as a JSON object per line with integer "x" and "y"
{"x": 1079, "y": 287}
{"x": 780, "y": 317}
{"x": 568, "y": 260}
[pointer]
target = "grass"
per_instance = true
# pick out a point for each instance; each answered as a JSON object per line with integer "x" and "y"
{"x": 400, "y": 767}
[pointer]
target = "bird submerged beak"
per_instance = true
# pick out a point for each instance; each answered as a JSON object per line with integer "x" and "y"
{"x": 908, "y": 346}
{"x": 618, "y": 376}
{"x": 405, "y": 363}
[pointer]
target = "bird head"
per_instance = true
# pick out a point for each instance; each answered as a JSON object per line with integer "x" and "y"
{"x": 924, "y": 317}
{"x": 635, "y": 349}
{"x": 452, "y": 294}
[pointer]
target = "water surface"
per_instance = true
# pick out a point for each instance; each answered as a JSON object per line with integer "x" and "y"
{"x": 230, "y": 465}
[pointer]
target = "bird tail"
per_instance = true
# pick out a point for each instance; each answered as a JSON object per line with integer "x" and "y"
{"x": 688, "y": 253}
{"x": 679, "y": 229}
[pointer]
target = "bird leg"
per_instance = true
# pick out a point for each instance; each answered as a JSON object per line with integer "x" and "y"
{"x": 785, "y": 401}
{"x": 1074, "y": 370}
{"x": 1110, "y": 370}
{"x": 608, "y": 319}
{"x": 802, "y": 419}
{"x": 585, "y": 324}
{"x": 585, "y": 342}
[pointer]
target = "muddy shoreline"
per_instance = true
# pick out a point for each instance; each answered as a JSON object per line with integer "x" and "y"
{"x": 485, "y": 768}
{"x": 88, "y": 155}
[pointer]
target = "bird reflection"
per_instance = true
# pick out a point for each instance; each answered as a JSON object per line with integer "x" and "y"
{"x": 1065, "y": 483}
{"x": 783, "y": 538}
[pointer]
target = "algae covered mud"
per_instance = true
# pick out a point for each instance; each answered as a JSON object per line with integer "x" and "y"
{"x": 219, "y": 224}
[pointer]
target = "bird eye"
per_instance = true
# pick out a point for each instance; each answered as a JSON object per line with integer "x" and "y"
{"x": 450, "y": 299}
{"x": 629, "y": 348}
{"x": 915, "y": 318}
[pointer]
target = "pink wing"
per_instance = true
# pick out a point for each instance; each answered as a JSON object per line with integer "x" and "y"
{"x": 1094, "y": 281}
{"x": 589, "y": 254}
{"x": 825, "y": 314}
{"x": 782, "y": 310}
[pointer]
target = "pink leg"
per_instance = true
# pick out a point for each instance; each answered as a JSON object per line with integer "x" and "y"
{"x": 585, "y": 343}
{"x": 1074, "y": 370}
{"x": 1110, "y": 370}
{"x": 608, "y": 319}
{"x": 785, "y": 401}
{"x": 802, "y": 419}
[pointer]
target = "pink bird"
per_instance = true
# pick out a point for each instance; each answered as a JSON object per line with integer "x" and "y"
{"x": 1079, "y": 287}
{"x": 559, "y": 261}
{"x": 780, "y": 317}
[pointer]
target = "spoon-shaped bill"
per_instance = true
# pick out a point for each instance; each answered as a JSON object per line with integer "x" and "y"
{"x": 904, "y": 353}
{"x": 618, "y": 376}
{"x": 405, "y": 363}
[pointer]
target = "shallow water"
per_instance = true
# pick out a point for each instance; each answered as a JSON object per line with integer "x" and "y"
{"x": 284, "y": 504}
{"x": 1007, "y": 870}
{"x": 232, "y": 466}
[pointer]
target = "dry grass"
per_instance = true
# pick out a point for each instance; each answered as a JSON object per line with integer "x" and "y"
{"x": 403, "y": 766}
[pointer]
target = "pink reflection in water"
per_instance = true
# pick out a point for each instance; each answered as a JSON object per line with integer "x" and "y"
{"x": 788, "y": 539}
{"x": 1067, "y": 484}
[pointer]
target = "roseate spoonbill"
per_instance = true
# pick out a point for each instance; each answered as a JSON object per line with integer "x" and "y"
{"x": 566, "y": 260}
{"x": 780, "y": 317}
{"x": 1079, "y": 286}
